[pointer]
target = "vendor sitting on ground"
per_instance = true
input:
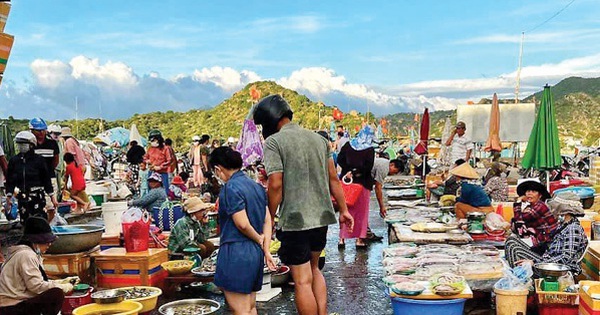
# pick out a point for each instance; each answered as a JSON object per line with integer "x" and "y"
{"x": 24, "y": 285}
{"x": 472, "y": 196}
{"x": 177, "y": 188}
{"x": 567, "y": 243}
{"x": 191, "y": 230}
{"x": 154, "y": 198}
{"x": 449, "y": 187}
{"x": 532, "y": 219}
{"x": 496, "y": 184}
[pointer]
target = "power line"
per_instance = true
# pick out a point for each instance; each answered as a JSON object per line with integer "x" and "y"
{"x": 550, "y": 18}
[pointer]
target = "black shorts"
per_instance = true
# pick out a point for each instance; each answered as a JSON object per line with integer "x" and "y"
{"x": 297, "y": 246}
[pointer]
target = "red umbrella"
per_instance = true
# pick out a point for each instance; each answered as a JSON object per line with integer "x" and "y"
{"x": 421, "y": 147}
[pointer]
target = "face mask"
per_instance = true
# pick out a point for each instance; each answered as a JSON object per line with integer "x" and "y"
{"x": 37, "y": 251}
{"x": 154, "y": 144}
{"x": 23, "y": 147}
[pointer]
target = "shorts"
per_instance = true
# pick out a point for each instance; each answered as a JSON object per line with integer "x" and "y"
{"x": 82, "y": 195}
{"x": 297, "y": 246}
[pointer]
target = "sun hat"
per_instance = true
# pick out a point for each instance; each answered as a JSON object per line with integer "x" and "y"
{"x": 196, "y": 138}
{"x": 177, "y": 180}
{"x": 66, "y": 132}
{"x": 535, "y": 185}
{"x": 196, "y": 204}
{"x": 364, "y": 140}
{"x": 566, "y": 203}
{"x": 38, "y": 231}
{"x": 54, "y": 129}
{"x": 155, "y": 177}
{"x": 464, "y": 171}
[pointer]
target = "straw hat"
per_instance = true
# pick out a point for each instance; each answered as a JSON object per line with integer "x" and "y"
{"x": 464, "y": 171}
{"x": 566, "y": 203}
{"x": 196, "y": 204}
{"x": 66, "y": 132}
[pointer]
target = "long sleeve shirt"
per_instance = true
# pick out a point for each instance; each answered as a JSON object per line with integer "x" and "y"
{"x": 27, "y": 171}
{"x": 538, "y": 217}
{"x": 187, "y": 232}
{"x": 154, "y": 198}
{"x": 160, "y": 157}
{"x": 568, "y": 246}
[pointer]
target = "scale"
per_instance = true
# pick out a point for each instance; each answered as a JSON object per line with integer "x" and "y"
{"x": 550, "y": 272}
{"x": 475, "y": 223}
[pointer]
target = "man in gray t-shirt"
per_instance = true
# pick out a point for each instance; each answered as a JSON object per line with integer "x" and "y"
{"x": 302, "y": 179}
{"x": 381, "y": 169}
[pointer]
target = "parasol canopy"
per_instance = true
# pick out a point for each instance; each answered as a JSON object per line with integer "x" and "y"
{"x": 493, "y": 140}
{"x": 543, "y": 148}
{"x": 421, "y": 147}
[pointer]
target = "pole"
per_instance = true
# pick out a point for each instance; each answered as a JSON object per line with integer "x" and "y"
{"x": 519, "y": 69}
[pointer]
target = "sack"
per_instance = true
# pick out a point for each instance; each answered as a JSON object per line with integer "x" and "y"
{"x": 166, "y": 216}
{"x": 351, "y": 191}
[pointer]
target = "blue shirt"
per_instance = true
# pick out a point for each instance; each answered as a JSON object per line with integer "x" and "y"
{"x": 241, "y": 193}
{"x": 473, "y": 195}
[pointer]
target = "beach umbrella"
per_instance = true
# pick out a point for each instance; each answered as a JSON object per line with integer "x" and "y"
{"x": 421, "y": 147}
{"x": 445, "y": 150}
{"x": 493, "y": 140}
{"x": 543, "y": 148}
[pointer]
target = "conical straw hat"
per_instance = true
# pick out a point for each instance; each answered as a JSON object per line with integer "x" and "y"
{"x": 465, "y": 171}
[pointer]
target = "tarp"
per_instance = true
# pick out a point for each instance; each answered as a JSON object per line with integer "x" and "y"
{"x": 117, "y": 137}
{"x": 6, "y": 141}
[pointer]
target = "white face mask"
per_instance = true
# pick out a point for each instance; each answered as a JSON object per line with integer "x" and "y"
{"x": 154, "y": 144}
{"x": 23, "y": 147}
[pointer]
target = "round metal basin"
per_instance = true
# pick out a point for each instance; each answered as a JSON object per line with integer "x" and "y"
{"x": 75, "y": 238}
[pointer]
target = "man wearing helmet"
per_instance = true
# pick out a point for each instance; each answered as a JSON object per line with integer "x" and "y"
{"x": 302, "y": 179}
{"x": 28, "y": 173}
{"x": 54, "y": 132}
{"x": 45, "y": 147}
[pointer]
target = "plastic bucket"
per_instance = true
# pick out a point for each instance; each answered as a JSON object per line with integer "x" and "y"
{"x": 403, "y": 306}
{"x": 111, "y": 214}
{"x": 510, "y": 302}
{"x": 99, "y": 198}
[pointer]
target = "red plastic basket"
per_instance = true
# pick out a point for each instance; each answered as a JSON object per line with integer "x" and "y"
{"x": 72, "y": 302}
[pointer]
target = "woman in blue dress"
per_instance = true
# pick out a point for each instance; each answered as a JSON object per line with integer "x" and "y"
{"x": 245, "y": 232}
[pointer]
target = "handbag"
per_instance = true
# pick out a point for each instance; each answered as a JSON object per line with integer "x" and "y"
{"x": 351, "y": 190}
{"x": 167, "y": 215}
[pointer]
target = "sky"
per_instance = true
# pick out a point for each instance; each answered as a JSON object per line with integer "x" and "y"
{"x": 118, "y": 58}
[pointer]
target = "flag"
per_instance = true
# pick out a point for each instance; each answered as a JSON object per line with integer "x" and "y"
{"x": 4, "y": 10}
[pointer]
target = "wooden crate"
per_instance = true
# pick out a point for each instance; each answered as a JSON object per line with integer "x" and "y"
{"x": 66, "y": 265}
{"x": 116, "y": 268}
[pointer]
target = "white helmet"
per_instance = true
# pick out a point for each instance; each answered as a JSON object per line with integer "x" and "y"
{"x": 25, "y": 137}
{"x": 54, "y": 128}
{"x": 195, "y": 138}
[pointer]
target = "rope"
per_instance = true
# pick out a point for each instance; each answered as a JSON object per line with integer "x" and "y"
{"x": 550, "y": 18}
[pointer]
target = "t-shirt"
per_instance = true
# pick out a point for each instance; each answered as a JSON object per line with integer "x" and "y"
{"x": 302, "y": 156}
{"x": 48, "y": 150}
{"x": 381, "y": 169}
{"x": 241, "y": 193}
{"x": 76, "y": 175}
{"x": 459, "y": 147}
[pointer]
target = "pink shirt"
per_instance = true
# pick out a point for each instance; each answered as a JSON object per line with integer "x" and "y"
{"x": 72, "y": 146}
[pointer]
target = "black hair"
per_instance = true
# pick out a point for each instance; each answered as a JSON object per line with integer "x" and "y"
{"x": 398, "y": 164}
{"x": 184, "y": 176}
{"x": 459, "y": 162}
{"x": 341, "y": 126}
{"x": 225, "y": 157}
{"x": 69, "y": 157}
{"x": 288, "y": 114}
{"x": 340, "y": 134}
{"x": 323, "y": 134}
{"x": 168, "y": 141}
{"x": 204, "y": 139}
{"x": 133, "y": 143}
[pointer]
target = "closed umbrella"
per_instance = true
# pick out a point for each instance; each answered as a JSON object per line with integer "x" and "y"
{"x": 421, "y": 147}
{"x": 445, "y": 150}
{"x": 493, "y": 141}
{"x": 543, "y": 148}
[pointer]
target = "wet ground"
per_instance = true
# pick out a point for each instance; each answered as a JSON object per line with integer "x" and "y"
{"x": 353, "y": 280}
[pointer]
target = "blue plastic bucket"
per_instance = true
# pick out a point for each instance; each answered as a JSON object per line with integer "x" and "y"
{"x": 403, "y": 306}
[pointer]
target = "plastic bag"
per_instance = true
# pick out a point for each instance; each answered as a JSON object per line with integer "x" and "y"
{"x": 517, "y": 278}
{"x": 132, "y": 215}
{"x": 496, "y": 222}
{"x": 58, "y": 221}
{"x": 566, "y": 281}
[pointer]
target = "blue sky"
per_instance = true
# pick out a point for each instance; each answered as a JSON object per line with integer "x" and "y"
{"x": 130, "y": 57}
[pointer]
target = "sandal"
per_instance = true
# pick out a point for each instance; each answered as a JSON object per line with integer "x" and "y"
{"x": 341, "y": 244}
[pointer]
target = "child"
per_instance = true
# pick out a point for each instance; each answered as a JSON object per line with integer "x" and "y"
{"x": 77, "y": 192}
{"x": 143, "y": 180}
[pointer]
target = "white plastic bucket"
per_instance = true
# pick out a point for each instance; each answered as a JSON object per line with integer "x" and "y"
{"x": 111, "y": 214}
{"x": 266, "y": 283}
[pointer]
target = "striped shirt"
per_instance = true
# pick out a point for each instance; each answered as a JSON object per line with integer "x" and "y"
{"x": 48, "y": 150}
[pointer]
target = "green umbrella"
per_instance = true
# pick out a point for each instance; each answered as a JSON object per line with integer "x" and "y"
{"x": 543, "y": 148}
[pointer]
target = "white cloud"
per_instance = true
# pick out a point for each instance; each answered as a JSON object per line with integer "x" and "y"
{"x": 563, "y": 37}
{"x": 226, "y": 78}
{"x": 304, "y": 24}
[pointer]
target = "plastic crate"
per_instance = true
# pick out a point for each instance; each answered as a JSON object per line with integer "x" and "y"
{"x": 553, "y": 297}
